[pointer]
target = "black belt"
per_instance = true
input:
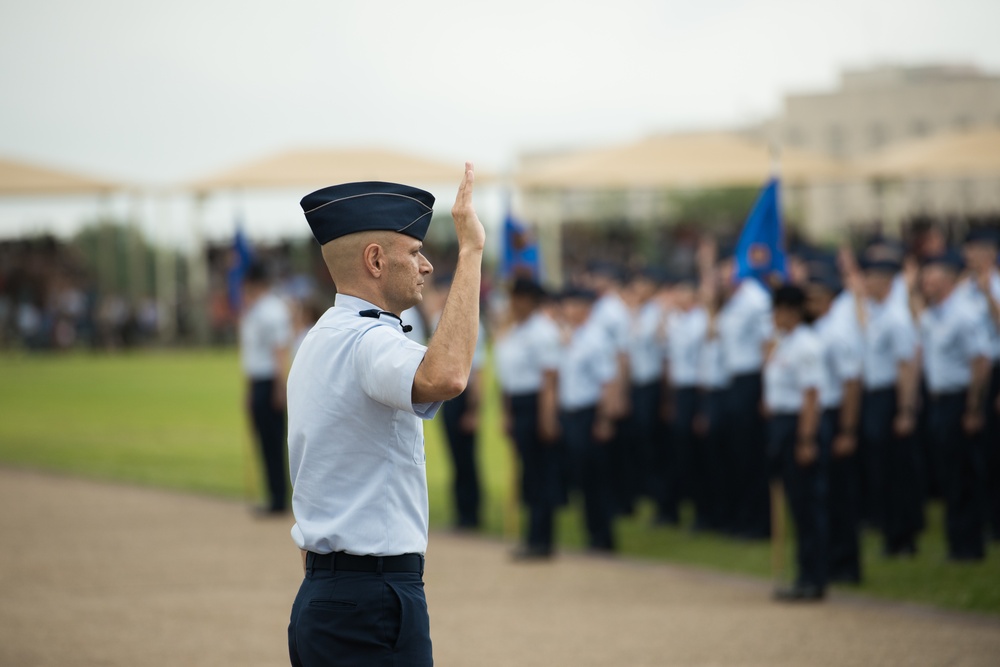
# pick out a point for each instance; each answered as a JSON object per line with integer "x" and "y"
{"x": 351, "y": 563}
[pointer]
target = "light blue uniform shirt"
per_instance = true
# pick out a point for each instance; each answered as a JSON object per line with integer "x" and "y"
{"x": 586, "y": 364}
{"x": 712, "y": 372}
{"x": 978, "y": 300}
{"x": 646, "y": 350}
{"x": 889, "y": 338}
{"x": 686, "y": 333}
{"x": 952, "y": 336}
{"x": 745, "y": 324}
{"x": 418, "y": 330}
{"x": 795, "y": 365}
{"x": 842, "y": 351}
{"x": 612, "y": 317}
{"x": 267, "y": 325}
{"x": 523, "y": 353}
{"x": 355, "y": 438}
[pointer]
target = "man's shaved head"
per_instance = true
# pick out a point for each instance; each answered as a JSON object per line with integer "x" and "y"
{"x": 344, "y": 256}
{"x": 385, "y": 268}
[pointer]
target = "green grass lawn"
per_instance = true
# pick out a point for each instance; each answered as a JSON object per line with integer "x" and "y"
{"x": 174, "y": 419}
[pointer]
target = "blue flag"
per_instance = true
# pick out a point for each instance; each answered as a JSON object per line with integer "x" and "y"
{"x": 760, "y": 251}
{"x": 240, "y": 262}
{"x": 520, "y": 251}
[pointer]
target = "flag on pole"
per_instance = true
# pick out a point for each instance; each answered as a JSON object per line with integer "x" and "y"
{"x": 240, "y": 262}
{"x": 520, "y": 251}
{"x": 760, "y": 250}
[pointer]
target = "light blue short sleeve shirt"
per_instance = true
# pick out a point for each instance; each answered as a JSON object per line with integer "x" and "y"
{"x": 355, "y": 438}
{"x": 795, "y": 365}
{"x": 745, "y": 324}
{"x": 890, "y": 337}
{"x": 952, "y": 336}
{"x": 686, "y": 333}
{"x": 842, "y": 351}
{"x": 524, "y": 353}
{"x": 586, "y": 364}
{"x": 646, "y": 351}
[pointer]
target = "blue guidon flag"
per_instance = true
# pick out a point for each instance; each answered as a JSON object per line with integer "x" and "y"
{"x": 760, "y": 251}
{"x": 520, "y": 251}
{"x": 242, "y": 255}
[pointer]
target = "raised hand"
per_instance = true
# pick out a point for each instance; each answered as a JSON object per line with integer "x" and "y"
{"x": 470, "y": 232}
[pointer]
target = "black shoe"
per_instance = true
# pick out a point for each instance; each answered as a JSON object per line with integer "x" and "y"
{"x": 530, "y": 554}
{"x": 799, "y": 593}
{"x": 851, "y": 578}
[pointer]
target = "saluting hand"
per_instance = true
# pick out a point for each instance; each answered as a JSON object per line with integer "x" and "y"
{"x": 470, "y": 231}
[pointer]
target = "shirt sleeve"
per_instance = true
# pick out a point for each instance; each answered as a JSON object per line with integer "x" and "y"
{"x": 479, "y": 354}
{"x": 605, "y": 363}
{"x": 809, "y": 364}
{"x": 387, "y": 363}
{"x": 547, "y": 342}
{"x": 904, "y": 337}
{"x": 848, "y": 353}
{"x": 279, "y": 325}
{"x": 976, "y": 339}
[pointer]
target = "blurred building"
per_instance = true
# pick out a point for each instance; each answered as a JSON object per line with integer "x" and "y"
{"x": 875, "y": 107}
{"x": 874, "y": 111}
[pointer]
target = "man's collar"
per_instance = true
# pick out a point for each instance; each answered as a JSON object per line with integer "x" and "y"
{"x": 353, "y": 302}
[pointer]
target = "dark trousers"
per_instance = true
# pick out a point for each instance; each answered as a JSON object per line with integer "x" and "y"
{"x": 691, "y": 464}
{"x": 540, "y": 472}
{"x": 748, "y": 444}
{"x": 962, "y": 475}
{"x": 588, "y": 464}
{"x": 991, "y": 445}
{"x": 891, "y": 489}
{"x": 269, "y": 427}
{"x": 843, "y": 503}
{"x": 715, "y": 442}
{"x": 362, "y": 619}
{"x": 805, "y": 489}
{"x": 654, "y": 465}
{"x": 462, "y": 446}
{"x": 623, "y": 461}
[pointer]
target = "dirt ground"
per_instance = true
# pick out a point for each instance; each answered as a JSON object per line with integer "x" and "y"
{"x": 100, "y": 574}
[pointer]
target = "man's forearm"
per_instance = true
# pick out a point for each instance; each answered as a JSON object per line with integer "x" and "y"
{"x": 906, "y": 387}
{"x": 448, "y": 359}
{"x": 850, "y": 407}
{"x": 809, "y": 416}
{"x": 976, "y": 399}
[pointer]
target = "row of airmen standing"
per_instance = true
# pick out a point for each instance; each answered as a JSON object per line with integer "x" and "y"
{"x": 706, "y": 388}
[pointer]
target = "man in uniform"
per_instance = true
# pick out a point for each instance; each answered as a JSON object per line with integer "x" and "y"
{"x": 686, "y": 330}
{"x": 653, "y": 459}
{"x": 840, "y": 401}
{"x": 983, "y": 289}
{"x": 888, "y": 410}
{"x": 792, "y": 377}
{"x": 527, "y": 359}
{"x": 956, "y": 366}
{"x": 587, "y": 372}
{"x": 745, "y": 326}
{"x": 357, "y": 391}
{"x": 265, "y": 340}
{"x": 611, "y": 316}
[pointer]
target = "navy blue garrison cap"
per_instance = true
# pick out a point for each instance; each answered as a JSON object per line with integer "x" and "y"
{"x": 340, "y": 210}
{"x": 949, "y": 259}
{"x": 983, "y": 235}
{"x": 880, "y": 265}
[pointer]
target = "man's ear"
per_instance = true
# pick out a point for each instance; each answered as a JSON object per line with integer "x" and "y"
{"x": 375, "y": 260}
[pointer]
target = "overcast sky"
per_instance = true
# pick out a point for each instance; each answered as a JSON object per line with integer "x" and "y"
{"x": 168, "y": 91}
